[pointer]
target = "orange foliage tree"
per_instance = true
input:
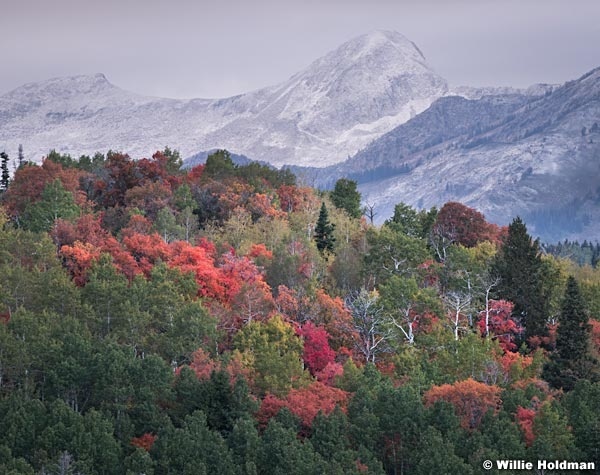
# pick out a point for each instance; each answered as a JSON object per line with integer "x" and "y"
{"x": 525, "y": 417}
{"x": 331, "y": 313}
{"x": 145, "y": 441}
{"x": 199, "y": 261}
{"x": 294, "y": 199}
{"x": 78, "y": 259}
{"x": 305, "y": 403}
{"x": 202, "y": 364}
{"x": 471, "y": 400}
{"x": 149, "y": 198}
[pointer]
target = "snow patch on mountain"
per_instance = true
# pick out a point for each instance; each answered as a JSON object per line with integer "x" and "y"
{"x": 473, "y": 93}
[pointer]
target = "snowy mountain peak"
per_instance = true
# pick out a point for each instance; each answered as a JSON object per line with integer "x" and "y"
{"x": 52, "y": 91}
{"x": 378, "y": 41}
{"x": 320, "y": 116}
{"x": 387, "y": 49}
{"x": 354, "y": 93}
{"x": 80, "y": 84}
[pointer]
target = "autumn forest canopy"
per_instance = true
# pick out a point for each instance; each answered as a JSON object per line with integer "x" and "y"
{"x": 227, "y": 319}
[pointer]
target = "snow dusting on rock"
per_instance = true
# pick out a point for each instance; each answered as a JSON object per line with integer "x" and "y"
{"x": 319, "y": 117}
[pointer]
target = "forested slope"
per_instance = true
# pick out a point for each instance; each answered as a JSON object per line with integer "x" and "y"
{"x": 227, "y": 320}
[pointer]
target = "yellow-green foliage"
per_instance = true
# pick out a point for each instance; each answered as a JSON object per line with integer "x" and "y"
{"x": 273, "y": 353}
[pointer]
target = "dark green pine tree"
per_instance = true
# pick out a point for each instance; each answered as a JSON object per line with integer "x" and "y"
{"x": 519, "y": 265}
{"x": 5, "y": 178}
{"x": 573, "y": 332}
{"x": 21, "y": 159}
{"x": 324, "y": 231}
{"x": 345, "y": 196}
{"x": 571, "y": 360}
{"x": 219, "y": 165}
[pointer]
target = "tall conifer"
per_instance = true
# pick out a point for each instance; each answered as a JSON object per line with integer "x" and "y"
{"x": 571, "y": 359}
{"x": 519, "y": 266}
{"x": 324, "y": 231}
{"x": 574, "y": 330}
{"x": 5, "y": 178}
{"x": 346, "y": 196}
{"x": 21, "y": 159}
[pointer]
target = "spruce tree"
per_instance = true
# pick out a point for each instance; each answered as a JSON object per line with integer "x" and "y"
{"x": 571, "y": 359}
{"x": 21, "y": 159}
{"x": 5, "y": 178}
{"x": 519, "y": 265}
{"x": 574, "y": 330}
{"x": 324, "y": 231}
{"x": 345, "y": 196}
{"x": 219, "y": 165}
{"x": 405, "y": 220}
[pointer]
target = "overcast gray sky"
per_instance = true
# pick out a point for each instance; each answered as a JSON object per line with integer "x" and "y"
{"x": 185, "y": 48}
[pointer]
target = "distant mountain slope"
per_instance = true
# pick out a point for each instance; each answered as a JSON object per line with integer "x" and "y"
{"x": 448, "y": 118}
{"x": 320, "y": 116}
{"x": 538, "y": 157}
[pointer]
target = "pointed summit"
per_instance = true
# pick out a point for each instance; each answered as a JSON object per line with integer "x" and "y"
{"x": 382, "y": 48}
{"x": 360, "y": 90}
{"x": 377, "y": 41}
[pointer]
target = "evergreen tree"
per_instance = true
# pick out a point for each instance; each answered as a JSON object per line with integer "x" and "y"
{"x": 174, "y": 161}
{"x": 193, "y": 449}
{"x": 55, "y": 202}
{"x": 21, "y": 156}
{"x": 282, "y": 452}
{"x": 437, "y": 455}
{"x": 324, "y": 231}
{"x": 345, "y": 196}
{"x": 219, "y": 165}
{"x": 571, "y": 360}
{"x": 519, "y": 266}
{"x": 404, "y": 220}
{"x": 581, "y": 405}
{"x": 573, "y": 331}
{"x": 553, "y": 437}
{"x": 413, "y": 223}
{"x": 5, "y": 178}
{"x": 244, "y": 444}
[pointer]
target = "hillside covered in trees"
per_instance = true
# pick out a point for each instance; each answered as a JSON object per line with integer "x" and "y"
{"x": 228, "y": 320}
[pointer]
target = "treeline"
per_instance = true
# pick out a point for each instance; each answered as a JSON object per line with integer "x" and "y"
{"x": 586, "y": 253}
{"x": 225, "y": 319}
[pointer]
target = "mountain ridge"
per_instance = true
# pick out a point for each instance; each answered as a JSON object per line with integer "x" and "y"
{"x": 319, "y": 116}
{"x": 539, "y": 159}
